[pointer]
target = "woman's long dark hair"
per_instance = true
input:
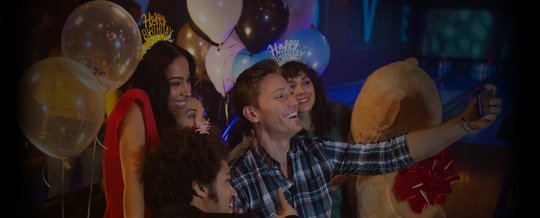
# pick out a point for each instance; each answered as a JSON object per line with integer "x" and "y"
{"x": 150, "y": 77}
{"x": 321, "y": 116}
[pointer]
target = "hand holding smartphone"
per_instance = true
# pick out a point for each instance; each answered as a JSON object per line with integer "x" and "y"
{"x": 482, "y": 100}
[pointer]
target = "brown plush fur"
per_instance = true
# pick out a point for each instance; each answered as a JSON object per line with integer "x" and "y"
{"x": 396, "y": 99}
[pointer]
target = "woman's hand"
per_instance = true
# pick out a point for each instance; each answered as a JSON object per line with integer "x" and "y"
{"x": 286, "y": 209}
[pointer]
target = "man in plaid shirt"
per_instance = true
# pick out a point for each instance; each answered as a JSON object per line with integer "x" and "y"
{"x": 302, "y": 166}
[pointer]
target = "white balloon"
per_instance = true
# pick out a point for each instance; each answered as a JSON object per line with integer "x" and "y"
{"x": 219, "y": 63}
{"x": 216, "y": 18}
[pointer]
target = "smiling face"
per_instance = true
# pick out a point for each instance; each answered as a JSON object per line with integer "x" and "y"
{"x": 221, "y": 193}
{"x": 277, "y": 108}
{"x": 191, "y": 112}
{"x": 179, "y": 87}
{"x": 304, "y": 91}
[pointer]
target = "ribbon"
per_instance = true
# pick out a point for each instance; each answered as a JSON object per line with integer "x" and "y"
{"x": 427, "y": 182}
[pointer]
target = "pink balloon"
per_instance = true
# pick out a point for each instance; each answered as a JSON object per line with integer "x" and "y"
{"x": 300, "y": 15}
{"x": 236, "y": 38}
{"x": 219, "y": 63}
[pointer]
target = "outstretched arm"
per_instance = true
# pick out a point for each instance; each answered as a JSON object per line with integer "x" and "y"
{"x": 428, "y": 142}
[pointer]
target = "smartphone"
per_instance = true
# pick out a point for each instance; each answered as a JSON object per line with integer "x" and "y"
{"x": 482, "y": 100}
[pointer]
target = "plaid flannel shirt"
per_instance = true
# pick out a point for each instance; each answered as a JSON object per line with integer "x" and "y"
{"x": 257, "y": 177}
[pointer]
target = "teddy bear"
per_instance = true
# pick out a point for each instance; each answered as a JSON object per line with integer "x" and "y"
{"x": 396, "y": 99}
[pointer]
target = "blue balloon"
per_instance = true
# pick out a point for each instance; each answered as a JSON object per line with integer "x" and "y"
{"x": 244, "y": 59}
{"x": 315, "y": 48}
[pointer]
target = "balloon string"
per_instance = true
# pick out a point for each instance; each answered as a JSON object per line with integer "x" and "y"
{"x": 224, "y": 105}
{"x": 227, "y": 109}
{"x": 220, "y": 109}
{"x": 201, "y": 97}
{"x": 43, "y": 176}
{"x": 82, "y": 121}
{"x": 62, "y": 186}
{"x": 91, "y": 178}
{"x": 99, "y": 142}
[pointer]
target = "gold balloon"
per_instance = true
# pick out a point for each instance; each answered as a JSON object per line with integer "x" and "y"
{"x": 197, "y": 46}
{"x": 60, "y": 106}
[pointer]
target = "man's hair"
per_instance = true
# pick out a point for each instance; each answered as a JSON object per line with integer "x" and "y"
{"x": 183, "y": 157}
{"x": 151, "y": 78}
{"x": 246, "y": 89}
{"x": 320, "y": 114}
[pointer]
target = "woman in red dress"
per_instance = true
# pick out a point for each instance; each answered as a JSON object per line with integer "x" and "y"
{"x": 158, "y": 89}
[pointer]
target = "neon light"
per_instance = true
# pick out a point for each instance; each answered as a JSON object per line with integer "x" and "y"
{"x": 405, "y": 11}
{"x": 225, "y": 134}
{"x": 369, "y": 17}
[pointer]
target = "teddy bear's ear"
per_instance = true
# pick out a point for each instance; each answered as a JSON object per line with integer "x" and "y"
{"x": 412, "y": 61}
{"x": 389, "y": 107}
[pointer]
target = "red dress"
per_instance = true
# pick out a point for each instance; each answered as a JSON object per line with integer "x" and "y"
{"x": 112, "y": 170}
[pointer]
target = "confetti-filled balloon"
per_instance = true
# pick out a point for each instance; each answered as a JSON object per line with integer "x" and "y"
{"x": 105, "y": 38}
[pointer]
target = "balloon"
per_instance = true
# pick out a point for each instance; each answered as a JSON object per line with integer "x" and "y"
{"x": 219, "y": 64}
{"x": 104, "y": 37}
{"x": 300, "y": 15}
{"x": 110, "y": 100}
{"x": 60, "y": 106}
{"x": 195, "y": 45}
{"x": 243, "y": 60}
{"x": 214, "y": 18}
{"x": 262, "y": 22}
{"x": 315, "y": 47}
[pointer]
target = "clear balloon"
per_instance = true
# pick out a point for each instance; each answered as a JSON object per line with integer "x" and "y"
{"x": 214, "y": 18}
{"x": 104, "y": 37}
{"x": 300, "y": 15}
{"x": 244, "y": 59}
{"x": 194, "y": 44}
{"x": 262, "y": 22}
{"x": 219, "y": 64}
{"x": 314, "y": 46}
{"x": 60, "y": 106}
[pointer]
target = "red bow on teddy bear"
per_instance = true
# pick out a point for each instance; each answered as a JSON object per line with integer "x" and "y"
{"x": 427, "y": 182}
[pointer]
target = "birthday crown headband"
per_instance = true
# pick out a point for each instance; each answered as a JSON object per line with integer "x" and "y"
{"x": 287, "y": 51}
{"x": 155, "y": 30}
